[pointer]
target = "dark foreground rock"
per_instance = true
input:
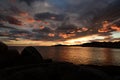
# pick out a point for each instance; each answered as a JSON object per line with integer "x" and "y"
{"x": 53, "y": 71}
{"x": 30, "y": 65}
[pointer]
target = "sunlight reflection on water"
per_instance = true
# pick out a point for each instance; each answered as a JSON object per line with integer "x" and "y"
{"x": 80, "y": 55}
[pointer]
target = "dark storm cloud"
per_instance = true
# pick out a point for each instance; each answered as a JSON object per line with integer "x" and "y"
{"x": 13, "y": 20}
{"x": 15, "y": 9}
{"x": 65, "y": 28}
{"x": 19, "y": 32}
{"x": 86, "y": 11}
{"x": 42, "y": 34}
{"x": 110, "y": 13}
{"x": 45, "y": 30}
{"x": 22, "y": 34}
{"x": 2, "y": 17}
{"x": 7, "y": 27}
{"x": 10, "y": 19}
{"x": 29, "y": 2}
{"x": 51, "y": 16}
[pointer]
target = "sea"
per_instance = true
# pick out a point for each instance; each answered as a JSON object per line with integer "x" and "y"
{"x": 79, "y": 55}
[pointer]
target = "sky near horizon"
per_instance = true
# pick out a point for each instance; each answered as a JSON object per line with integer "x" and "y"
{"x": 51, "y": 22}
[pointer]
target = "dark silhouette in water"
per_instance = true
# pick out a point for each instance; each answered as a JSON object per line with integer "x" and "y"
{"x": 30, "y": 65}
{"x": 30, "y": 55}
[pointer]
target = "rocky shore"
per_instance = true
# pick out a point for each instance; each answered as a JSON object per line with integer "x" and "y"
{"x": 30, "y": 65}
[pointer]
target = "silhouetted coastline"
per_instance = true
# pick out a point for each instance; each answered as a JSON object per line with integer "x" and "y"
{"x": 96, "y": 44}
{"x": 30, "y": 65}
{"x": 102, "y": 44}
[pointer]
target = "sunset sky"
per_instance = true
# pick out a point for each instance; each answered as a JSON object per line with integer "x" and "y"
{"x": 50, "y": 22}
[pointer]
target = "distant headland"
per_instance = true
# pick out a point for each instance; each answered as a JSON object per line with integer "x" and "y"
{"x": 97, "y": 44}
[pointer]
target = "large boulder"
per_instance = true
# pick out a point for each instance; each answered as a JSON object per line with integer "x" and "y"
{"x": 3, "y": 48}
{"x": 30, "y": 55}
{"x": 8, "y": 57}
{"x": 13, "y": 57}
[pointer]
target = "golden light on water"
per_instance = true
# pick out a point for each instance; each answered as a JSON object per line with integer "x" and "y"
{"x": 81, "y": 55}
{"x": 76, "y": 55}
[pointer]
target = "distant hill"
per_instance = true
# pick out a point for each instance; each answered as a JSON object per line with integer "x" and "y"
{"x": 97, "y": 44}
{"x": 59, "y": 45}
{"x": 102, "y": 44}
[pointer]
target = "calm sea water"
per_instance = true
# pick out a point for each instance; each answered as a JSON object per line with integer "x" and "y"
{"x": 80, "y": 55}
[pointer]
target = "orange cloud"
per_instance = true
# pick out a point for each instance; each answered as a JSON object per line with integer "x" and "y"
{"x": 25, "y": 17}
{"x": 51, "y": 34}
{"x": 42, "y": 27}
{"x": 105, "y": 27}
{"x": 30, "y": 20}
{"x": 72, "y": 32}
{"x": 53, "y": 17}
{"x": 102, "y": 30}
{"x": 105, "y": 24}
{"x": 84, "y": 29}
{"x": 64, "y": 35}
{"x": 79, "y": 30}
{"x": 23, "y": 14}
{"x": 46, "y": 23}
{"x": 115, "y": 27}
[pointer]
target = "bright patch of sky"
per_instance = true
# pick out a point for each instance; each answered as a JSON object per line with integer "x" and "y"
{"x": 115, "y": 34}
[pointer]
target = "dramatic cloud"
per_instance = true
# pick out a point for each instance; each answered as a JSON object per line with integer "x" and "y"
{"x": 55, "y": 21}
{"x": 29, "y": 2}
{"x": 49, "y": 16}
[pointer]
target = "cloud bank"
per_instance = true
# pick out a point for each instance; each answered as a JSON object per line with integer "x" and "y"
{"x": 55, "y": 20}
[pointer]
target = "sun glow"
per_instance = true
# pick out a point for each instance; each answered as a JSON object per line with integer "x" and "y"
{"x": 82, "y": 40}
{"x": 29, "y": 43}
